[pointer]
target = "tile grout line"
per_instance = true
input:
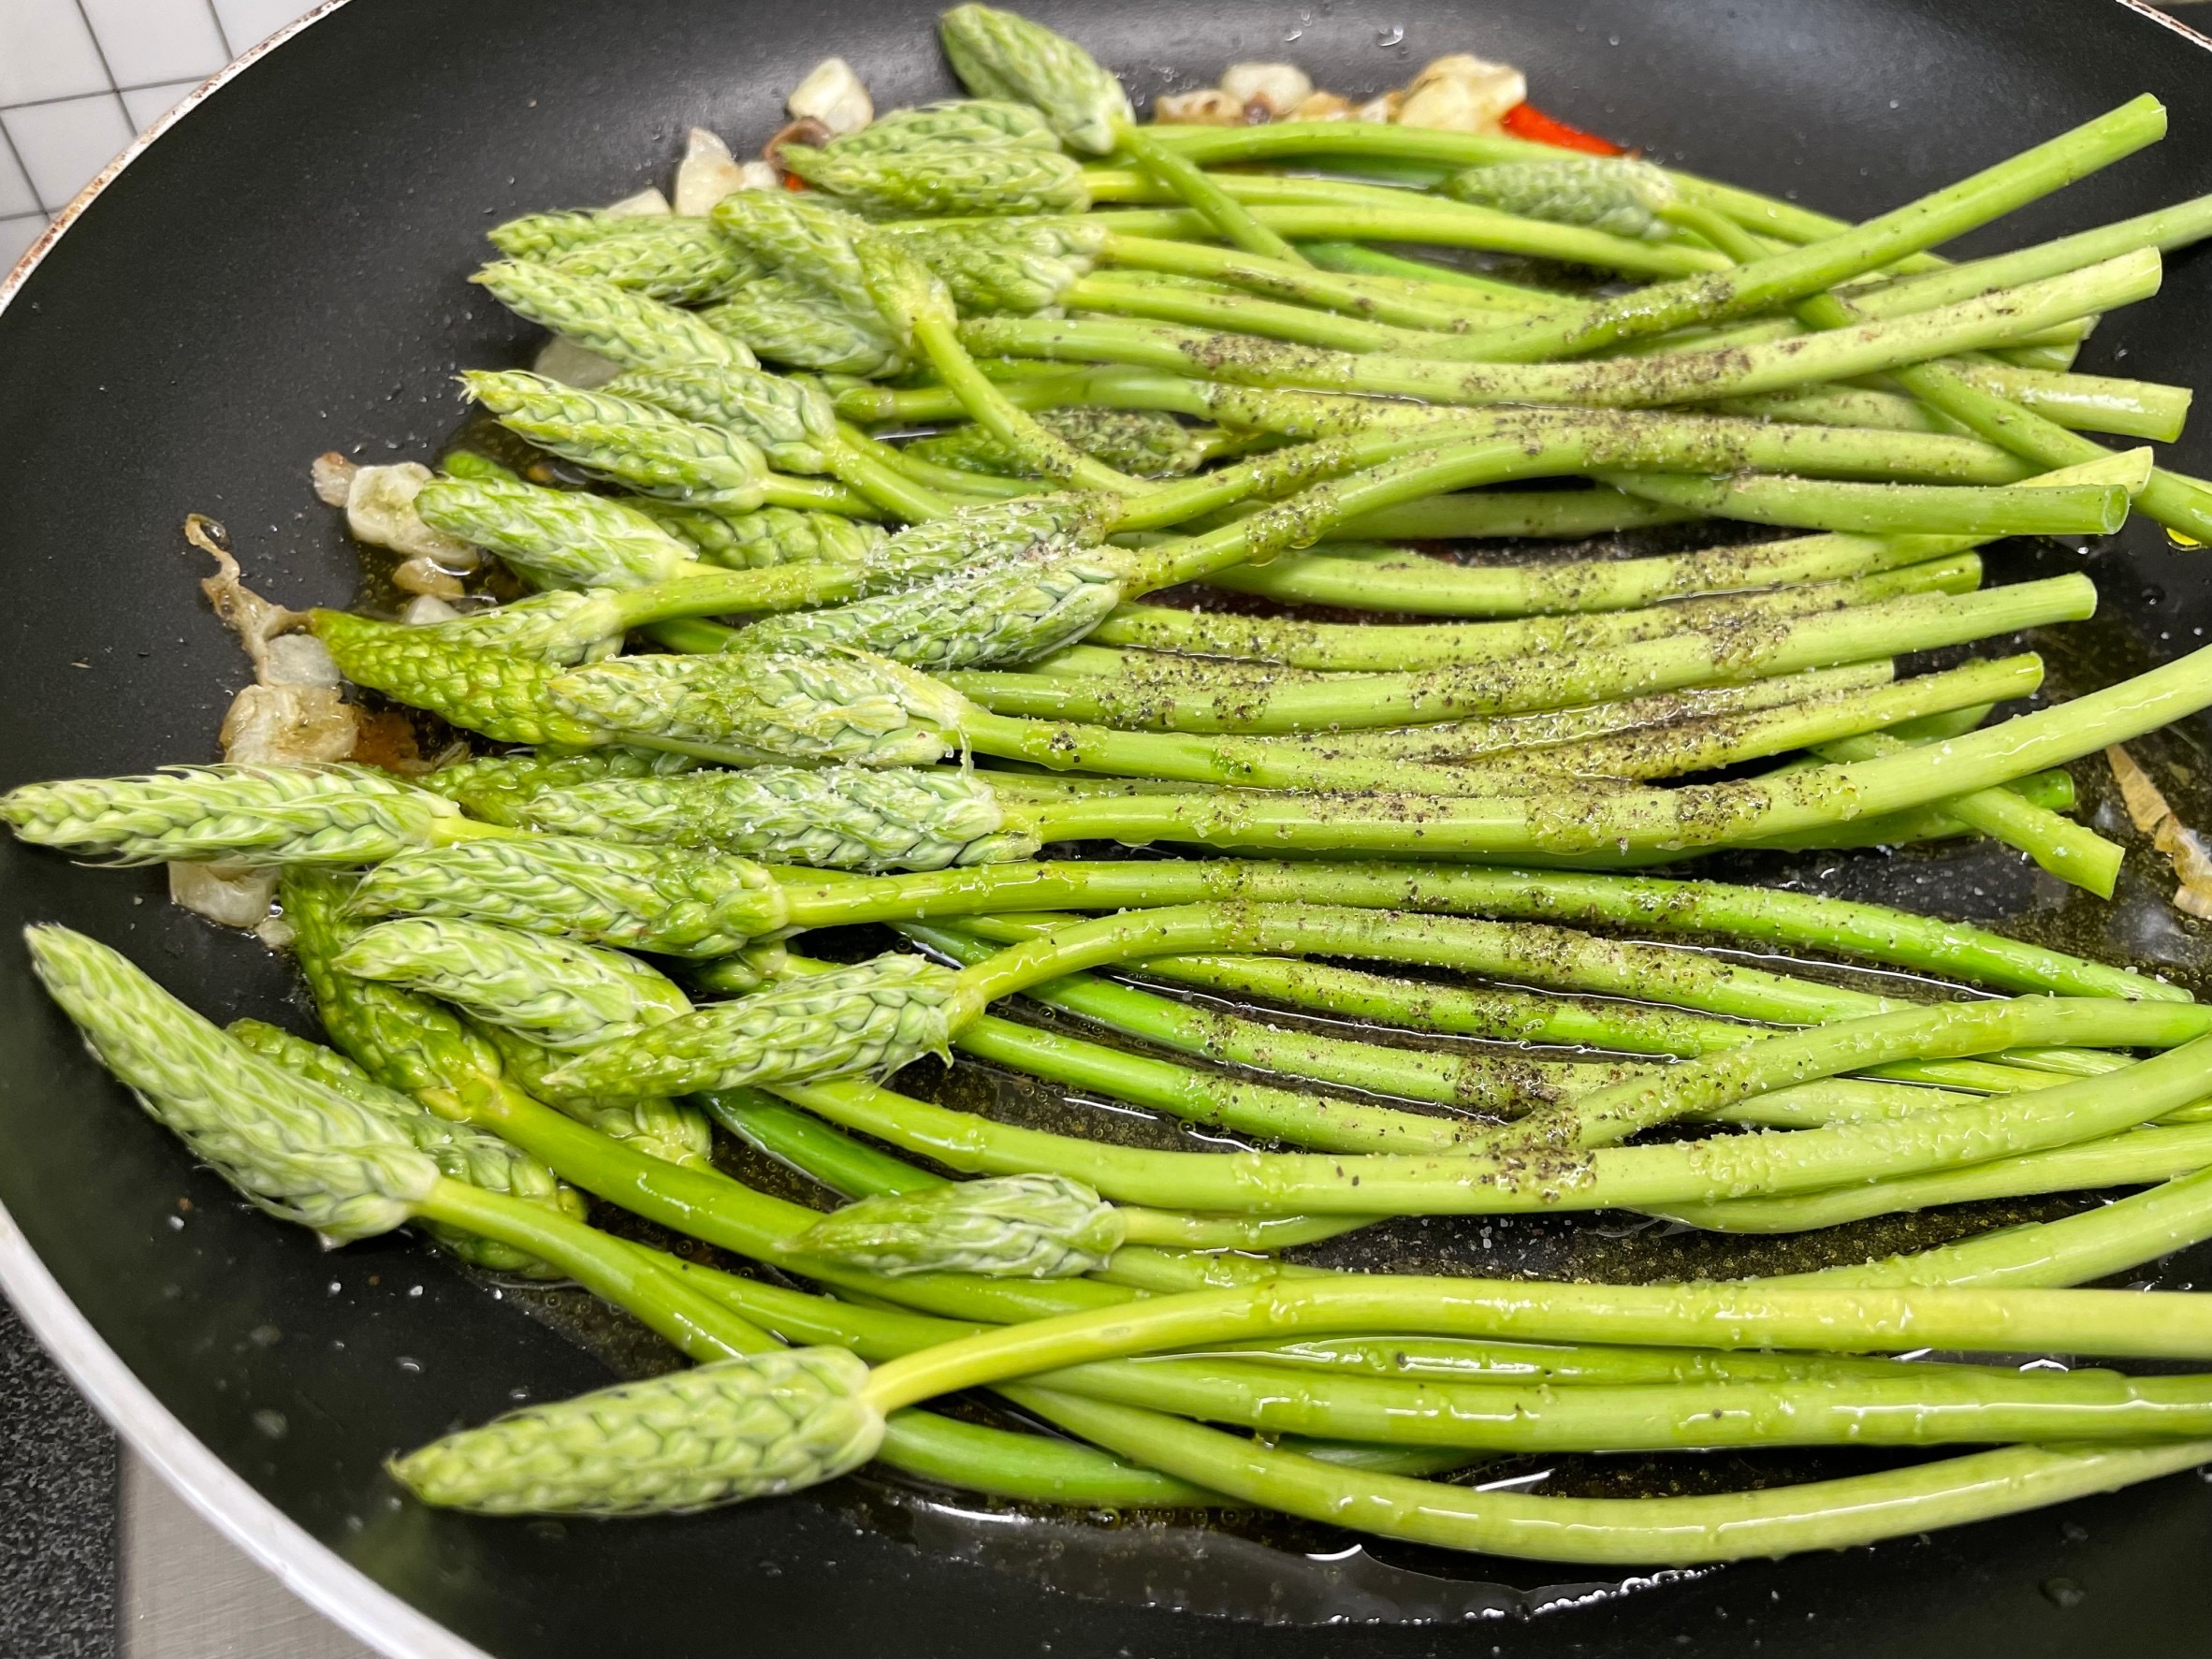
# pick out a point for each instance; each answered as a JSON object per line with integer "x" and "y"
{"x": 113, "y": 91}
{"x": 222, "y": 35}
{"x": 98, "y": 50}
{"x": 108, "y": 91}
{"x": 24, "y": 173}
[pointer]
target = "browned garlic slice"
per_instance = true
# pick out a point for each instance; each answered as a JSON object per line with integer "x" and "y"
{"x": 291, "y": 714}
{"x": 2149, "y": 811}
{"x": 1275, "y": 89}
{"x": 1209, "y": 106}
{"x": 1322, "y": 105}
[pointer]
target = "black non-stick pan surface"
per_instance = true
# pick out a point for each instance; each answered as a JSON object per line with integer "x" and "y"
{"x": 282, "y": 273}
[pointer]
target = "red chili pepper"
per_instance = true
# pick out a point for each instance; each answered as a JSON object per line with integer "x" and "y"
{"x": 793, "y": 182}
{"x": 1525, "y": 121}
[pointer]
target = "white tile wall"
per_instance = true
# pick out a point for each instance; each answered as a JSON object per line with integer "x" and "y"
{"x": 49, "y": 53}
{"x": 79, "y": 77}
{"x": 144, "y": 45}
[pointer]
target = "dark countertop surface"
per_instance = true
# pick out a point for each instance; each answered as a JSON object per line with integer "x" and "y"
{"x": 57, "y": 1510}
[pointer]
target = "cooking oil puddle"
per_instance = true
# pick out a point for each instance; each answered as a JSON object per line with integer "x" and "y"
{"x": 1182, "y": 1568}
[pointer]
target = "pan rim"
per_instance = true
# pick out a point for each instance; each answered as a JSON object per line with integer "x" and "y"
{"x": 303, "y": 1565}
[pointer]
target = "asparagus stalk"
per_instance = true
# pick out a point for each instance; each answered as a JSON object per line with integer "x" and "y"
{"x": 2069, "y": 851}
{"x": 1182, "y": 703}
{"x": 1829, "y": 1514}
{"x": 2130, "y": 1160}
{"x": 555, "y": 1456}
{"x": 1398, "y": 581}
{"x": 885, "y": 1014}
{"x": 1686, "y": 375}
{"x": 1353, "y": 647}
{"x": 1660, "y": 1177}
{"x": 2175, "y": 499}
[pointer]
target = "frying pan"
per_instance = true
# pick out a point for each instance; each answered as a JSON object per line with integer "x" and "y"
{"x": 280, "y": 274}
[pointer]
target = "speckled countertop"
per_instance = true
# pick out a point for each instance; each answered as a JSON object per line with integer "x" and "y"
{"x": 57, "y": 1511}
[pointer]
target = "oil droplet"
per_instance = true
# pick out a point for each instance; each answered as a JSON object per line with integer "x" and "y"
{"x": 271, "y": 1423}
{"x": 1392, "y": 36}
{"x": 2064, "y": 1592}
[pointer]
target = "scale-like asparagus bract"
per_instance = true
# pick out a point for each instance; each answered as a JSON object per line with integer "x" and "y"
{"x": 496, "y": 693}
{"x": 253, "y": 815}
{"x": 771, "y": 535}
{"x": 953, "y": 179}
{"x": 1013, "y": 1227}
{"x": 1139, "y": 442}
{"x": 792, "y": 421}
{"x": 1020, "y": 265}
{"x": 1612, "y": 194}
{"x": 953, "y": 121}
{"x": 300, "y": 1151}
{"x": 997, "y": 54}
{"x": 832, "y": 818}
{"x": 735, "y": 1429}
{"x": 461, "y": 1153}
{"x": 631, "y": 327}
{"x": 631, "y": 443}
{"x": 872, "y": 1017}
{"x": 564, "y": 538}
{"x": 676, "y": 903}
{"x": 785, "y": 319}
{"x": 1007, "y": 611}
{"x": 553, "y": 991}
{"x": 682, "y": 260}
{"x": 853, "y": 708}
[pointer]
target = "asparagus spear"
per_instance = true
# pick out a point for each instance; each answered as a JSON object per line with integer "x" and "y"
{"x": 1660, "y": 1177}
{"x": 556, "y": 1454}
{"x": 1690, "y": 374}
{"x": 553, "y": 991}
{"x": 632, "y": 327}
{"x": 346, "y": 1162}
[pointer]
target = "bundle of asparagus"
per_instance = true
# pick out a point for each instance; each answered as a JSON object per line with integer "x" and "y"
{"x": 781, "y": 673}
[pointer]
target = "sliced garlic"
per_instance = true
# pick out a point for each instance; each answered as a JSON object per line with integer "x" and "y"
{"x": 380, "y": 510}
{"x": 573, "y": 365}
{"x": 1322, "y": 105}
{"x": 1209, "y": 106}
{"x": 332, "y": 476}
{"x": 2184, "y": 847}
{"x": 647, "y": 203}
{"x": 707, "y": 173}
{"x": 1463, "y": 94}
{"x": 224, "y": 894}
{"x": 427, "y": 608}
{"x": 289, "y": 725}
{"x": 256, "y": 622}
{"x": 426, "y": 576}
{"x": 758, "y": 175}
{"x": 1382, "y": 109}
{"x": 1277, "y": 88}
{"x": 299, "y": 660}
{"x": 833, "y": 94}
